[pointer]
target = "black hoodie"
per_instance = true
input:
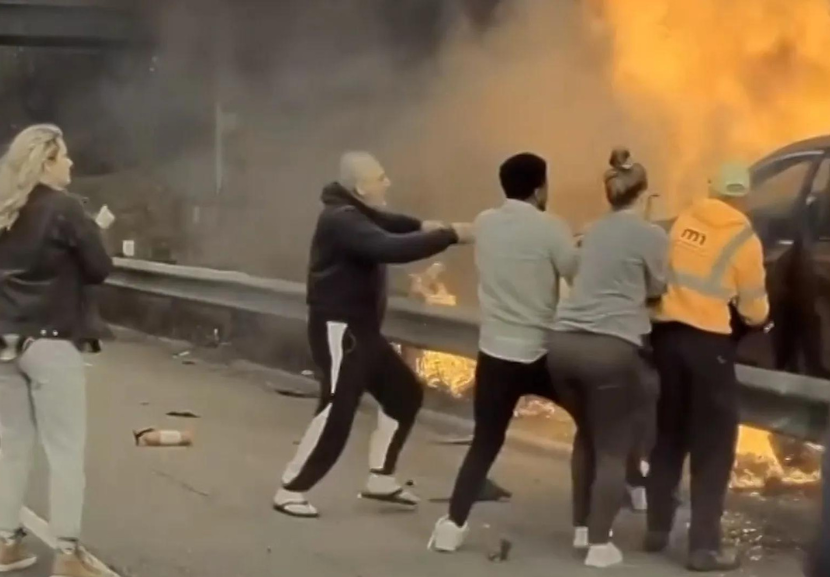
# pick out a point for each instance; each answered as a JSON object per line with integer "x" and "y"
{"x": 349, "y": 252}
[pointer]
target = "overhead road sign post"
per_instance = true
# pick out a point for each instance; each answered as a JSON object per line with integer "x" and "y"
{"x": 70, "y": 24}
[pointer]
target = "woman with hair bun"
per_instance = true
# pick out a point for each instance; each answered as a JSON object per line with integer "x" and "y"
{"x": 596, "y": 352}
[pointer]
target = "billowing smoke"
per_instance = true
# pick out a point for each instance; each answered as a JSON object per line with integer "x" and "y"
{"x": 441, "y": 91}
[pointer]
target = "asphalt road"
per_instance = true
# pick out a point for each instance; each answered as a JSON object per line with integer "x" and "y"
{"x": 206, "y": 510}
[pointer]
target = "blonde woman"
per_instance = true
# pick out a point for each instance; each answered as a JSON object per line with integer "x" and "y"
{"x": 50, "y": 251}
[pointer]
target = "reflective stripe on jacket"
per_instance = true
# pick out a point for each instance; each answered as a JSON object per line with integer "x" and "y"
{"x": 715, "y": 259}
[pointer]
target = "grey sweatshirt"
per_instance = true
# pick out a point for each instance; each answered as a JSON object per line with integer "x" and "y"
{"x": 622, "y": 264}
{"x": 521, "y": 253}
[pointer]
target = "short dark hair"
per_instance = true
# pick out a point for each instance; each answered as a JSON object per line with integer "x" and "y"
{"x": 625, "y": 181}
{"x": 521, "y": 175}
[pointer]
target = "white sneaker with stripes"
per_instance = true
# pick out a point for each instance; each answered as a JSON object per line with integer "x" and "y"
{"x": 387, "y": 489}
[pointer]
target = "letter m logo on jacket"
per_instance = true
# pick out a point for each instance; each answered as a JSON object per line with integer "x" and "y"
{"x": 693, "y": 236}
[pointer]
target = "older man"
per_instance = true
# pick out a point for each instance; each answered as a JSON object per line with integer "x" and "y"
{"x": 354, "y": 241}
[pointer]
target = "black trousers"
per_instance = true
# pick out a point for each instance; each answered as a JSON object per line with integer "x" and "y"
{"x": 601, "y": 381}
{"x": 499, "y": 386}
{"x": 352, "y": 359}
{"x": 697, "y": 415}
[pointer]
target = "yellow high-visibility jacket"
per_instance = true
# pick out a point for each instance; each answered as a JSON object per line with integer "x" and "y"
{"x": 715, "y": 258}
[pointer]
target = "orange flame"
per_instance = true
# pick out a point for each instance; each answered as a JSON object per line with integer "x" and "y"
{"x": 757, "y": 463}
{"x": 710, "y": 79}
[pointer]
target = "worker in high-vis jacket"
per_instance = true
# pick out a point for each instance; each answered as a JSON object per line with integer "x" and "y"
{"x": 715, "y": 266}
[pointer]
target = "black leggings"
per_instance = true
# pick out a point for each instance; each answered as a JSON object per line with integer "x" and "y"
{"x": 645, "y": 430}
{"x": 601, "y": 379}
{"x": 499, "y": 386}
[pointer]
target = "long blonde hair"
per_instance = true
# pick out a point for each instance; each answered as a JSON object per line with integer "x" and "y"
{"x": 22, "y": 167}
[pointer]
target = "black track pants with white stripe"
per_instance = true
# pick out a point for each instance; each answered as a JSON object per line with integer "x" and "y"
{"x": 351, "y": 360}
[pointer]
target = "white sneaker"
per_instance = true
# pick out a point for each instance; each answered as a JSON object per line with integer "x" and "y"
{"x": 639, "y": 501}
{"x": 581, "y": 538}
{"x": 602, "y": 556}
{"x": 13, "y": 554}
{"x": 447, "y": 537}
{"x": 387, "y": 489}
{"x": 294, "y": 505}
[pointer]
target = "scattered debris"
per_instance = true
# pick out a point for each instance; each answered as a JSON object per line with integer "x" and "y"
{"x": 182, "y": 354}
{"x": 297, "y": 394}
{"x": 188, "y": 362}
{"x": 455, "y": 441}
{"x": 410, "y": 483}
{"x": 145, "y": 403}
{"x": 155, "y": 438}
{"x": 183, "y": 414}
{"x": 758, "y": 538}
{"x": 535, "y": 407}
{"x": 498, "y": 547}
{"x": 502, "y": 553}
{"x": 181, "y": 483}
{"x": 308, "y": 374}
{"x": 492, "y": 491}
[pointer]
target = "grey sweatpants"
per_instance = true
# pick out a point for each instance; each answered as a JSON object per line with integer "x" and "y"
{"x": 43, "y": 396}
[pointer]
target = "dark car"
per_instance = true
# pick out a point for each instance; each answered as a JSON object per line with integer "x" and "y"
{"x": 790, "y": 209}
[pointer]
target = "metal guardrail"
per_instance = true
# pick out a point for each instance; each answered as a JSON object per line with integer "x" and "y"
{"x": 792, "y": 404}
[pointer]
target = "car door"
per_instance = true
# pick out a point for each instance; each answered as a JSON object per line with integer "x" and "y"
{"x": 776, "y": 207}
{"x": 816, "y": 225}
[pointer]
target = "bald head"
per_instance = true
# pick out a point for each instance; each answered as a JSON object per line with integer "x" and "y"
{"x": 362, "y": 174}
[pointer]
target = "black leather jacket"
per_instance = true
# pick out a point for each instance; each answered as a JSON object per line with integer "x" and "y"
{"x": 47, "y": 260}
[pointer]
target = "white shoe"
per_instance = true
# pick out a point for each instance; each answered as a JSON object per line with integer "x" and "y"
{"x": 447, "y": 537}
{"x": 581, "y": 538}
{"x": 13, "y": 554}
{"x": 387, "y": 489}
{"x": 602, "y": 556}
{"x": 639, "y": 501}
{"x": 294, "y": 505}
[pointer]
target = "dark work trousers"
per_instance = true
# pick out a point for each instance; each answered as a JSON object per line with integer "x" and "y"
{"x": 499, "y": 386}
{"x": 600, "y": 380}
{"x": 352, "y": 359}
{"x": 697, "y": 415}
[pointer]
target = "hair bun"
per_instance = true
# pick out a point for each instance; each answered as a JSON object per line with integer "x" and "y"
{"x": 621, "y": 159}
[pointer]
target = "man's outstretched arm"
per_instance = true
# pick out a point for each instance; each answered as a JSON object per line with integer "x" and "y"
{"x": 365, "y": 240}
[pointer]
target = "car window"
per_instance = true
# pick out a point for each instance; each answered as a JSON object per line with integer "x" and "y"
{"x": 775, "y": 188}
{"x": 822, "y": 179}
{"x": 818, "y": 204}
